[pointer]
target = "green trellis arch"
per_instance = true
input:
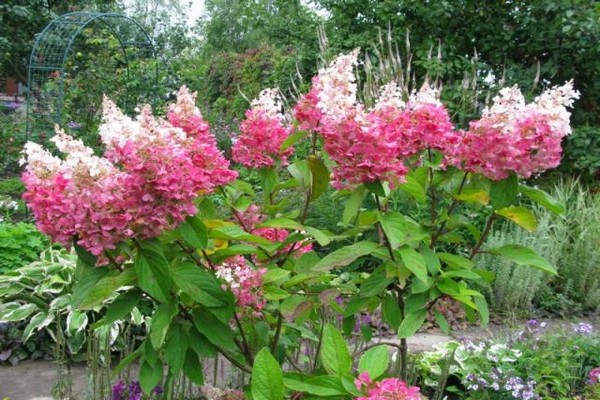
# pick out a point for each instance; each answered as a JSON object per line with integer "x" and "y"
{"x": 54, "y": 60}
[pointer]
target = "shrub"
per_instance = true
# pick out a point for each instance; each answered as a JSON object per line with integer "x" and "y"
{"x": 20, "y": 244}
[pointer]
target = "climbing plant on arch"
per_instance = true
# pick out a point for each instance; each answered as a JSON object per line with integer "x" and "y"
{"x": 76, "y": 59}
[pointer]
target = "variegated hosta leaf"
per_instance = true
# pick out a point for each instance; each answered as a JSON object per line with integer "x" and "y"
{"x": 13, "y": 311}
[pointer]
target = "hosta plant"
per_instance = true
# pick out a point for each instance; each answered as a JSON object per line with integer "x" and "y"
{"x": 234, "y": 269}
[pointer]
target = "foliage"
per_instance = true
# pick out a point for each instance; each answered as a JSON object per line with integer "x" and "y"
{"x": 581, "y": 152}
{"x": 531, "y": 365}
{"x": 12, "y": 135}
{"x": 20, "y": 244}
{"x": 12, "y": 187}
{"x": 21, "y": 20}
{"x": 40, "y": 295}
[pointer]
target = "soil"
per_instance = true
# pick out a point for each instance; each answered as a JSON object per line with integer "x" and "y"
{"x": 34, "y": 380}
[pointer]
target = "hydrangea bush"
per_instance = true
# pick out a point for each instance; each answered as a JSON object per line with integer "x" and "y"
{"x": 253, "y": 282}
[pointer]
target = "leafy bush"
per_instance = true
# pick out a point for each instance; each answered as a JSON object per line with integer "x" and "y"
{"x": 11, "y": 187}
{"x": 40, "y": 296}
{"x": 20, "y": 244}
{"x": 531, "y": 365}
{"x": 575, "y": 239}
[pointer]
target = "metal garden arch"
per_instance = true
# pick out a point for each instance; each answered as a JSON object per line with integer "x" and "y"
{"x": 48, "y": 67}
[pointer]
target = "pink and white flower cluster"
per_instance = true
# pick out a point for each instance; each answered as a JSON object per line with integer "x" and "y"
{"x": 244, "y": 281}
{"x": 513, "y": 136}
{"x": 387, "y": 389}
{"x": 383, "y": 142}
{"x": 375, "y": 144}
{"x": 262, "y": 133}
{"x": 147, "y": 180}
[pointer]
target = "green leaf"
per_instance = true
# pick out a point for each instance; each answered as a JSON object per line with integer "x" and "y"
{"x": 374, "y": 284}
{"x": 106, "y": 287}
{"x": 482, "y": 307}
{"x": 215, "y": 331}
{"x": 521, "y": 216}
{"x": 13, "y": 312}
{"x": 376, "y": 188}
{"x": 153, "y": 274}
{"x": 199, "y": 284}
{"x": 274, "y": 293}
{"x": 301, "y": 172}
{"x": 292, "y": 139}
{"x": 275, "y": 274}
{"x": 504, "y": 192}
{"x": 442, "y": 322}
{"x": 414, "y": 261}
{"x": 267, "y": 378}
{"x": 232, "y": 232}
{"x": 524, "y": 256}
{"x": 284, "y": 223}
{"x": 161, "y": 320}
{"x": 344, "y": 256}
{"x": 544, "y": 199}
{"x": 194, "y": 233}
{"x": 375, "y": 361}
{"x": 456, "y": 261}
{"x": 411, "y": 323}
{"x": 192, "y": 368}
{"x": 86, "y": 284}
{"x": 318, "y": 235}
{"x": 353, "y": 205}
{"x": 176, "y": 347}
{"x": 334, "y": 352}
{"x": 76, "y": 322}
{"x": 414, "y": 188}
{"x": 321, "y": 386}
{"x": 395, "y": 227}
{"x": 85, "y": 256}
{"x": 474, "y": 196}
{"x": 320, "y": 177}
{"x": 391, "y": 311}
{"x": 150, "y": 376}
{"x": 120, "y": 307}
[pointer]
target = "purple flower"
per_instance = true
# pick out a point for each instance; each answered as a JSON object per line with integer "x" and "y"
{"x": 135, "y": 391}
{"x": 12, "y": 105}
{"x": 74, "y": 124}
{"x": 157, "y": 390}
{"x": 118, "y": 390}
{"x": 583, "y": 328}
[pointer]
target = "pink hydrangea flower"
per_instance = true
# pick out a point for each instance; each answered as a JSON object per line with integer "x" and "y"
{"x": 387, "y": 389}
{"x": 262, "y": 133}
{"x": 513, "y": 136}
{"x": 244, "y": 281}
{"x": 147, "y": 181}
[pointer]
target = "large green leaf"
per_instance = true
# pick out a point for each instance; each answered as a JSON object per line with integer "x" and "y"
{"x": 353, "y": 205}
{"x": 504, "y": 192}
{"x": 414, "y": 188}
{"x": 232, "y": 232}
{"x": 374, "y": 284}
{"x": 120, "y": 307}
{"x": 320, "y": 177}
{"x": 395, "y": 227}
{"x": 153, "y": 274}
{"x": 161, "y": 320}
{"x": 199, "y": 284}
{"x": 321, "y": 386}
{"x": 106, "y": 287}
{"x": 86, "y": 284}
{"x": 150, "y": 376}
{"x": 176, "y": 346}
{"x": 192, "y": 368}
{"x": 344, "y": 256}
{"x": 194, "y": 233}
{"x": 524, "y": 256}
{"x": 334, "y": 352}
{"x": 411, "y": 323}
{"x": 521, "y": 216}
{"x": 543, "y": 199}
{"x": 414, "y": 261}
{"x": 267, "y": 378}
{"x": 375, "y": 361}
{"x": 216, "y": 331}
{"x": 391, "y": 311}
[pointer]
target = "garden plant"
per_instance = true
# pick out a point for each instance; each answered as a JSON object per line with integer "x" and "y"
{"x": 234, "y": 269}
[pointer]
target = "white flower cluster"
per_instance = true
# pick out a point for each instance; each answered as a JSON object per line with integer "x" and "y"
{"x": 390, "y": 95}
{"x": 426, "y": 95}
{"x": 337, "y": 87}
{"x": 269, "y": 103}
